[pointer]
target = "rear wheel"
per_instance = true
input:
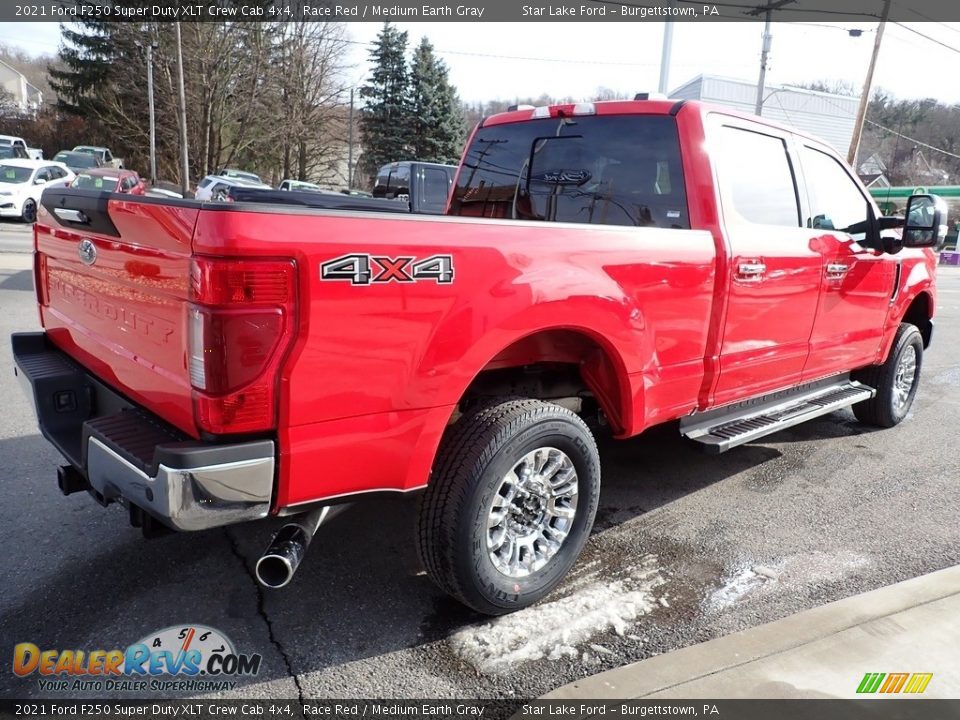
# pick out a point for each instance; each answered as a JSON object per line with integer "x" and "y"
{"x": 895, "y": 381}
{"x": 29, "y": 212}
{"x": 510, "y": 504}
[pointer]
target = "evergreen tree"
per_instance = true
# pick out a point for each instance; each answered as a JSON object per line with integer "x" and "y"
{"x": 385, "y": 118}
{"x": 437, "y": 121}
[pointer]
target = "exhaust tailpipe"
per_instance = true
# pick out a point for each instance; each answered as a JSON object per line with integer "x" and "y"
{"x": 283, "y": 556}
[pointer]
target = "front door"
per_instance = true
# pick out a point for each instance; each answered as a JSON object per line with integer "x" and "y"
{"x": 857, "y": 282}
{"x": 774, "y": 273}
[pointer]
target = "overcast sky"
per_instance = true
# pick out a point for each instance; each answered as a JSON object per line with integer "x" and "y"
{"x": 576, "y": 58}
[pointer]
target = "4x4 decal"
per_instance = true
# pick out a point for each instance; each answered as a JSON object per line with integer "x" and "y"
{"x": 365, "y": 269}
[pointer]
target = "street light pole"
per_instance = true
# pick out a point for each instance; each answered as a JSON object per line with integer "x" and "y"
{"x": 665, "y": 57}
{"x": 350, "y": 145}
{"x": 153, "y": 123}
{"x": 867, "y": 83}
{"x": 184, "y": 160}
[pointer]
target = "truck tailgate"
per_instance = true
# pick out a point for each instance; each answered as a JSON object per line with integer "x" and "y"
{"x": 113, "y": 279}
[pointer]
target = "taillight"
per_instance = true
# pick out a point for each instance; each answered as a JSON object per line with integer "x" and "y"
{"x": 40, "y": 278}
{"x": 241, "y": 323}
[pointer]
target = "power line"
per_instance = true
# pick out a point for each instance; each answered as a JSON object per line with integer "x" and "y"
{"x": 894, "y": 132}
{"x": 925, "y": 17}
{"x": 927, "y": 37}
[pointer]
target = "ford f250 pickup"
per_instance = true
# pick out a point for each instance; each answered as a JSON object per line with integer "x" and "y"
{"x": 601, "y": 267}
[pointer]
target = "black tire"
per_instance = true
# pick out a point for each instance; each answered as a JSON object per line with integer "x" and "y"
{"x": 29, "y": 212}
{"x": 885, "y": 409}
{"x": 475, "y": 456}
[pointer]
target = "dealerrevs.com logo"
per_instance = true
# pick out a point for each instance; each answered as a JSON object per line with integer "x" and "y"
{"x": 192, "y": 658}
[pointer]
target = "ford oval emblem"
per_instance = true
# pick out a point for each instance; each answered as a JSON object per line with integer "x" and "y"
{"x": 87, "y": 251}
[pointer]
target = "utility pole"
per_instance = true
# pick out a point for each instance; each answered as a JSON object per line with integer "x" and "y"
{"x": 665, "y": 55}
{"x": 350, "y": 145}
{"x": 153, "y": 122}
{"x": 184, "y": 159}
{"x": 765, "y": 50}
{"x": 865, "y": 96}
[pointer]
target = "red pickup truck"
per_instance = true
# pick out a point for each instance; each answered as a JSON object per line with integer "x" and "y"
{"x": 601, "y": 267}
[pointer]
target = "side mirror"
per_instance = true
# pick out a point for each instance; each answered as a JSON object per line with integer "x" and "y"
{"x": 926, "y": 221}
{"x": 39, "y": 181}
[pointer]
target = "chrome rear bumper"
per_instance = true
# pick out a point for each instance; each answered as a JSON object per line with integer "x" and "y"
{"x": 120, "y": 452}
{"x": 194, "y": 498}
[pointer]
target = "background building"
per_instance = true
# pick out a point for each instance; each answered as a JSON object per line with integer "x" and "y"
{"x": 19, "y": 95}
{"x": 825, "y": 115}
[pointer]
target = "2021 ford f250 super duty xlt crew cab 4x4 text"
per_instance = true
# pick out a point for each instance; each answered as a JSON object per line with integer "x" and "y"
{"x": 615, "y": 265}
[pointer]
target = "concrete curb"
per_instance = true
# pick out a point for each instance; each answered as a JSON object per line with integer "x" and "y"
{"x": 765, "y": 646}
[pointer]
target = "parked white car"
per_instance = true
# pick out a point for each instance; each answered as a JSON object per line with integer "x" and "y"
{"x": 235, "y": 174}
{"x": 215, "y": 187}
{"x": 103, "y": 154}
{"x": 22, "y": 182}
{"x": 299, "y": 185}
{"x": 32, "y": 153}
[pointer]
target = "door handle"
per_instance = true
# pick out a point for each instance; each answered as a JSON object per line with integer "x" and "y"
{"x": 751, "y": 269}
{"x": 837, "y": 270}
{"x": 71, "y": 215}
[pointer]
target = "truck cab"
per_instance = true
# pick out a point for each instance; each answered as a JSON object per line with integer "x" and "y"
{"x": 424, "y": 186}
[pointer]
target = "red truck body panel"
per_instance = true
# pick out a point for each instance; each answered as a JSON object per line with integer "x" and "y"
{"x": 409, "y": 351}
{"x": 376, "y": 371}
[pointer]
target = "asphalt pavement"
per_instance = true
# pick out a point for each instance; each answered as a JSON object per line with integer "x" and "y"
{"x": 687, "y": 547}
{"x": 15, "y": 236}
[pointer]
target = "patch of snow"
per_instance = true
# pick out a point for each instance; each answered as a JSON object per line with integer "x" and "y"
{"x": 800, "y": 569}
{"x": 554, "y": 629}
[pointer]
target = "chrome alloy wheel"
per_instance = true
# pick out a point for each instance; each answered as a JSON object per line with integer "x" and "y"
{"x": 532, "y": 512}
{"x": 905, "y": 377}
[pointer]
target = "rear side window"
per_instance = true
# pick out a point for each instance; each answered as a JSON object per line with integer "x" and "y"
{"x": 205, "y": 182}
{"x": 604, "y": 170}
{"x": 755, "y": 171}
{"x": 436, "y": 188}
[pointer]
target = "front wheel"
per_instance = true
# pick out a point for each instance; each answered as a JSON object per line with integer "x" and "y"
{"x": 510, "y": 504}
{"x": 895, "y": 381}
{"x": 29, "y": 212}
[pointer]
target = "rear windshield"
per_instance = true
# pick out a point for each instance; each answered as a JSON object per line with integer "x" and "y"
{"x": 393, "y": 181}
{"x": 76, "y": 159}
{"x": 96, "y": 182}
{"x": 612, "y": 170}
{"x": 13, "y": 174}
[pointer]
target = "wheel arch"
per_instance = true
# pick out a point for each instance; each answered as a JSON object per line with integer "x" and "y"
{"x": 593, "y": 358}
{"x": 920, "y": 313}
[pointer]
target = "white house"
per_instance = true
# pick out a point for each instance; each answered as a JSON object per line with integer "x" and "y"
{"x": 828, "y": 116}
{"x": 26, "y": 98}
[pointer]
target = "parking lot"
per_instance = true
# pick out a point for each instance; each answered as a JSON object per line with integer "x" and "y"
{"x": 686, "y": 547}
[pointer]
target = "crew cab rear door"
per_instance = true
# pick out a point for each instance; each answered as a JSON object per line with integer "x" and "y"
{"x": 857, "y": 282}
{"x": 774, "y": 274}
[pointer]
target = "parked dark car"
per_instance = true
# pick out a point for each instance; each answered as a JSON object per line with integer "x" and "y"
{"x": 78, "y": 161}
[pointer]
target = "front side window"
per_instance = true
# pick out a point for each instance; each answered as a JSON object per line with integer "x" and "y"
{"x": 606, "y": 170}
{"x": 757, "y": 178}
{"x": 836, "y": 202}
